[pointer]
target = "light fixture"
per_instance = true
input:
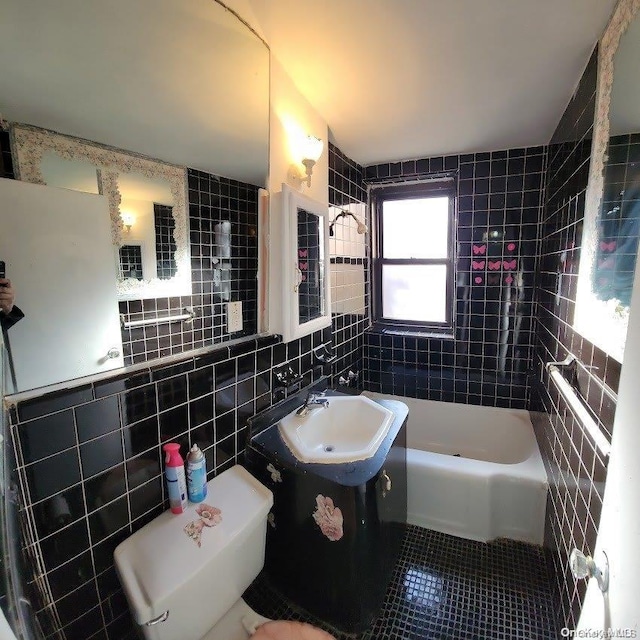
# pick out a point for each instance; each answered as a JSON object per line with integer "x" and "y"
{"x": 128, "y": 219}
{"x": 362, "y": 227}
{"x": 310, "y": 149}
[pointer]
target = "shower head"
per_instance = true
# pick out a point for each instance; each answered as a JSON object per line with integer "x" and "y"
{"x": 361, "y": 229}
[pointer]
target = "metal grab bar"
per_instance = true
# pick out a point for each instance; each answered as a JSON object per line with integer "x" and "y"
{"x": 573, "y": 400}
{"x": 186, "y": 317}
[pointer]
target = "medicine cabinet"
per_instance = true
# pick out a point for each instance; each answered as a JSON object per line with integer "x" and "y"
{"x": 299, "y": 293}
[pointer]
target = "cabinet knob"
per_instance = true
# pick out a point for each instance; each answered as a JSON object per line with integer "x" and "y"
{"x": 114, "y": 352}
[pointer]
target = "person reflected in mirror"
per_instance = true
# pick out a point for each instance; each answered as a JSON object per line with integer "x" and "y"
{"x": 9, "y": 312}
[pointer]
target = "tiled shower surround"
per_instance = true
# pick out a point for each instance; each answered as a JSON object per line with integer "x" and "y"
{"x": 97, "y": 475}
{"x": 486, "y": 358}
{"x": 575, "y": 468}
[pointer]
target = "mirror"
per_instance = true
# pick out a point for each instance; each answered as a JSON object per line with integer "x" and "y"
{"x": 178, "y": 90}
{"x": 311, "y": 266}
{"x": 147, "y": 205}
{"x": 612, "y": 215}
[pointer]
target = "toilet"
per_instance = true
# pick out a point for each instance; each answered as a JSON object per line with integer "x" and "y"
{"x": 178, "y": 590}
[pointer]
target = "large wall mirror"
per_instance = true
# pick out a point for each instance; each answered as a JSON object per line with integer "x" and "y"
{"x": 147, "y": 206}
{"x": 162, "y": 108}
{"x": 612, "y": 216}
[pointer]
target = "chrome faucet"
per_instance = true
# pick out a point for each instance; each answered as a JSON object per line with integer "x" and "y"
{"x": 313, "y": 401}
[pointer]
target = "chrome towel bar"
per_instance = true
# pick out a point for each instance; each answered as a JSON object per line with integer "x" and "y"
{"x": 186, "y": 317}
{"x": 580, "y": 411}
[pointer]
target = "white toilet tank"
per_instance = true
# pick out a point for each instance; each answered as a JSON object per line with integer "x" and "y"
{"x": 162, "y": 569}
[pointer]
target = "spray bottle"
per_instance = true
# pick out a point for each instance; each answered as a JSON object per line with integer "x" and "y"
{"x": 196, "y": 475}
{"x": 174, "y": 470}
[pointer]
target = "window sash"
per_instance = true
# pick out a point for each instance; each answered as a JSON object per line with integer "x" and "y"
{"x": 422, "y": 191}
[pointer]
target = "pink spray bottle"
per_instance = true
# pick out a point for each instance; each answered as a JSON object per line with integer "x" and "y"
{"x": 176, "y": 482}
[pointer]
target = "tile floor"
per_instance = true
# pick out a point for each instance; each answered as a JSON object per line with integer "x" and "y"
{"x": 449, "y": 588}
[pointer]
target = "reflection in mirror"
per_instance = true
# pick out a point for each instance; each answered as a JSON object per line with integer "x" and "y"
{"x": 182, "y": 81}
{"x": 188, "y": 84}
{"x": 147, "y": 204}
{"x": 69, "y": 173}
{"x": 311, "y": 266}
{"x": 148, "y": 241}
{"x": 612, "y": 217}
{"x": 348, "y": 271}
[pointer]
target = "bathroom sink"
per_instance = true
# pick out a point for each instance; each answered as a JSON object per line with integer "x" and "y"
{"x": 350, "y": 428}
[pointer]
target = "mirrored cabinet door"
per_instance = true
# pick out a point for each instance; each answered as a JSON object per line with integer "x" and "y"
{"x": 299, "y": 265}
{"x": 311, "y": 265}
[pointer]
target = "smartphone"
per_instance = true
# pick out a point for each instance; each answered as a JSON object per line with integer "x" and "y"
{"x": 2, "y": 271}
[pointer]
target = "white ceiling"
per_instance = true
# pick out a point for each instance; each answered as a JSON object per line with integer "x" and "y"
{"x": 401, "y": 79}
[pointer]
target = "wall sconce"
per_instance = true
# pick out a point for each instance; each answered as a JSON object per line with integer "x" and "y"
{"x": 310, "y": 150}
{"x": 362, "y": 227}
{"x": 128, "y": 220}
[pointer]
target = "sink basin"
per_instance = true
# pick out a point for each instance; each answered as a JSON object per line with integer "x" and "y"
{"x": 351, "y": 428}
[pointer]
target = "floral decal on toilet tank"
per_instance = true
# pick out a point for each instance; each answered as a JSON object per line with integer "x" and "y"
{"x": 209, "y": 517}
{"x": 329, "y": 518}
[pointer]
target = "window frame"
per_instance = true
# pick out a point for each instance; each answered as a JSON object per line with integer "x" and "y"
{"x": 435, "y": 188}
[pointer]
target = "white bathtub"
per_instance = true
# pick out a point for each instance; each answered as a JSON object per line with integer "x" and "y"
{"x": 474, "y": 472}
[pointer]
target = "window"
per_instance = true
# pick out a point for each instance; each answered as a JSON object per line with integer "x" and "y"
{"x": 413, "y": 268}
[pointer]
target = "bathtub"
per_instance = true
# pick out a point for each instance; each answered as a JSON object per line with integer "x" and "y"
{"x": 473, "y": 472}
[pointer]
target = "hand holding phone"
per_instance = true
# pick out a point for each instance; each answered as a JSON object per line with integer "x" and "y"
{"x": 7, "y": 293}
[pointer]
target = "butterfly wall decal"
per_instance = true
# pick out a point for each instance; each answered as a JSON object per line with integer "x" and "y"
{"x": 509, "y": 264}
{"x": 494, "y": 266}
{"x": 479, "y": 249}
{"x": 477, "y": 264}
{"x": 302, "y": 253}
{"x": 608, "y": 246}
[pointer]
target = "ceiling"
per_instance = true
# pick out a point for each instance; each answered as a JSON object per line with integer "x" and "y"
{"x": 401, "y": 79}
{"x": 178, "y": 80}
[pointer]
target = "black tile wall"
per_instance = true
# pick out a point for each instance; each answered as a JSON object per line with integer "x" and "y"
{"x": 486, "y": 359}
{"x": 90, "y": 466}
{"x": 212, "y": 200}
{"x": 130, "y": 261}
{"x": 575, "y": 468}
{"x": 164, "y": 225}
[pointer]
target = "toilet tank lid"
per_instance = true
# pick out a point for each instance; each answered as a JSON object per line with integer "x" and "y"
{"x": 160, "y": 557}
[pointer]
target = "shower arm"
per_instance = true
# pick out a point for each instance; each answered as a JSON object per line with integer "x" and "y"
{"x": 362, "y": 227}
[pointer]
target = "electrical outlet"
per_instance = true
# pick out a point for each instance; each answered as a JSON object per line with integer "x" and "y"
{"x": 234, "y": 317}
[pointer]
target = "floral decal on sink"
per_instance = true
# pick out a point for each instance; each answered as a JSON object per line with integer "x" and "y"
{"x": 329, "y": 518}
{"x": 209, "y": 517}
